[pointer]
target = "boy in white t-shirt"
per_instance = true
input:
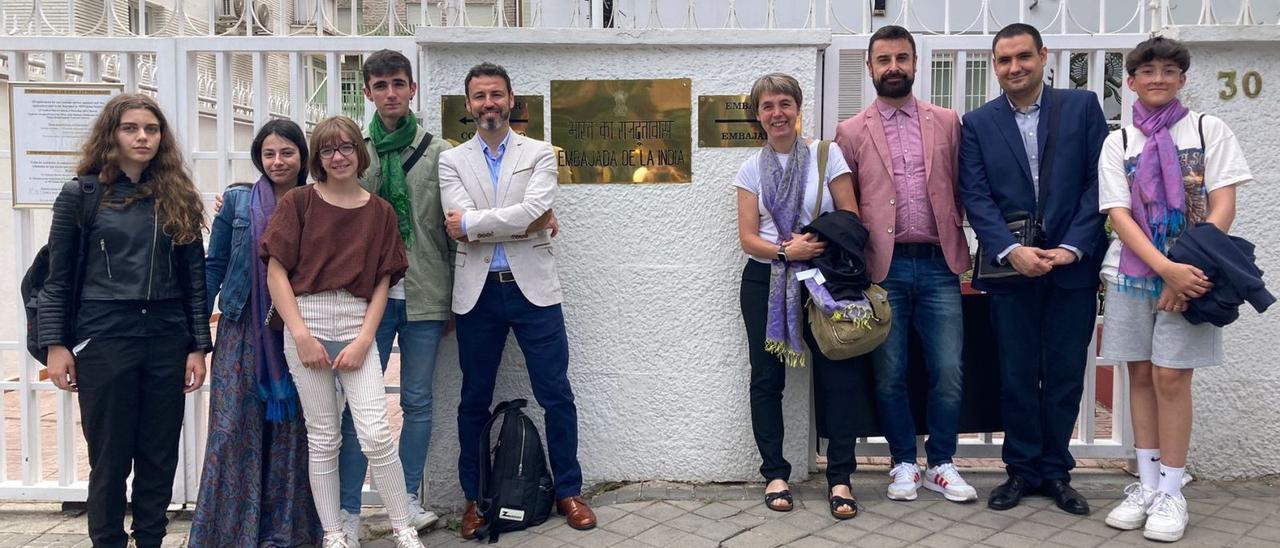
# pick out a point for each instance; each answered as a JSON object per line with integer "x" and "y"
{"x": 1169, "y": 171}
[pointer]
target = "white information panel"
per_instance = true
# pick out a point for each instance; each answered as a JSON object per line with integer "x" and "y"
{"x": 48, "y": 123}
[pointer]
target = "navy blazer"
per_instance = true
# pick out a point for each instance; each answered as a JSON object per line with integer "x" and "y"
{"x": 995, "y": 179}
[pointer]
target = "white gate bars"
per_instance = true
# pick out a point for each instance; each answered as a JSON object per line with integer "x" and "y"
{"x": 177, "y": 86}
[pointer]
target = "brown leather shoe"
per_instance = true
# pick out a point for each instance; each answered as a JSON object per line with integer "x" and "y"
{"x": 471, "y": 520}
{"x": 577, "y": 513}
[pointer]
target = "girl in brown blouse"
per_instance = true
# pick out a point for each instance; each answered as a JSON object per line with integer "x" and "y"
{"x": 332, "y": 250}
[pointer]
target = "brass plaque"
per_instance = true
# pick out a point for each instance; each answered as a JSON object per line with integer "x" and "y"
{"x": 622, "y": 131}
{"x": 458, "y": 126}
{"x": 726, "y": 121}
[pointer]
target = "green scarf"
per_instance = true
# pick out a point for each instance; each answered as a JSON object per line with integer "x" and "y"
{"x": 393, "y": 188}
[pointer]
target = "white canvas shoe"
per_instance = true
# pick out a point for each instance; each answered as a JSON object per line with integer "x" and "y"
{"x": 351, "y": 529}
{"x": 418, "y": 517}
{"x": 1167, "y": 519}
{"x": 945, "y": 479}
{"x": 407, "y": 538}
{"x": 336, "y": 539}
{"x": 1132, "y": 512}
{"x": 906, "y": 481}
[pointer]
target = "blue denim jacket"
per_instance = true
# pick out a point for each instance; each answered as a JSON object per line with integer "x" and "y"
{"x": 231, "y": 253}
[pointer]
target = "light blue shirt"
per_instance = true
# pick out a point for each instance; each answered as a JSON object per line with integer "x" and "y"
{"x": 499, "y": 262}
{"x": 1028, "y": 124}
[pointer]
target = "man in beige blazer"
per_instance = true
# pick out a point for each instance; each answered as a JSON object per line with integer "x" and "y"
{"x": 903, "y": 155}
{"x": 497, "y": 191}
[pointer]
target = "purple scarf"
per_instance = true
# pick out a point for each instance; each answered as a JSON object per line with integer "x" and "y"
{"x": 275, "y": 386}
{"x": 782, "y": 190}
{"x": 1156, "y": 195}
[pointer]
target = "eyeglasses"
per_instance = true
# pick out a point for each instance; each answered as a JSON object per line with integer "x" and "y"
{"x": 345, "y": 149}
{"x": 1151, "y": 72}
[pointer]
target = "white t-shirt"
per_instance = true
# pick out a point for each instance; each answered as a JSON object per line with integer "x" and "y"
{"x": 396, "y": 291}
{"x": 1223, "y": 164}
{"x": 749, "y": 179}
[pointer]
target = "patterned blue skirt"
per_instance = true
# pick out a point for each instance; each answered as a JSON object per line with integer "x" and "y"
{"x": 254, "y": 489}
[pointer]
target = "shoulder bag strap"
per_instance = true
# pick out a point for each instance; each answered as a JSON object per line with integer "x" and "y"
{"x": 1046, "y": 163}
{"x": 417, "y": 153}
{"x": 824, "y": 148}
{"x": 1200, "y": 129}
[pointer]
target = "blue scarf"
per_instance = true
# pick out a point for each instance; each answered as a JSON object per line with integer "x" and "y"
{"x": 275, "y": 386}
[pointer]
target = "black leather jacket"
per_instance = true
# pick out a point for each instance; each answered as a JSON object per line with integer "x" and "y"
{"x": 129, "y": 257}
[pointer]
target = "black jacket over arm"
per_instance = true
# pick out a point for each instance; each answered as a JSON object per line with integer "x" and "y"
{"x": 1229, "y": 263}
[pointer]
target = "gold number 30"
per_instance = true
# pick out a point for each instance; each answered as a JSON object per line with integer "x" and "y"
{"x": 1251, "y": 84}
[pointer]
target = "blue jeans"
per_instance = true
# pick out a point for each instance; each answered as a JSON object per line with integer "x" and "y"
{"x": 418, "y": 343}
{"x": 924, "y": 294}
{"x": 539, "y": 330}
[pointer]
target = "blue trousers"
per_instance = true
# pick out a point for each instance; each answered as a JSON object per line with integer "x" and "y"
{"x": 925, "y": 296}
{"x": 539, "y": 330}
{"x": 418, "y": 343}
{"x": 1043, "y": 335}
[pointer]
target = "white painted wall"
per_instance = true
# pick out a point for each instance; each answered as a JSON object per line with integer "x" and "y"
{"x": 658, "y": 354}
{"x": 1234, "y": 433}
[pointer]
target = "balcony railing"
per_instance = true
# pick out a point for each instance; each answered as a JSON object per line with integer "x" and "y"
{"x": 400, "y": 17}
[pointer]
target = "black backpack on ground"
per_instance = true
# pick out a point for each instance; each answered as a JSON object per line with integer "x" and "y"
{"x": 38, "y": 273}
{"x": 516, "y": 491}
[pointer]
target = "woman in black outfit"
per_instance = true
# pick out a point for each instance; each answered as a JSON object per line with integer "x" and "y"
{"x": 131, "y": 336}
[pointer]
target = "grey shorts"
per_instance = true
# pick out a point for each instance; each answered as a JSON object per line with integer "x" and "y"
{"x": 1133, "y": 330}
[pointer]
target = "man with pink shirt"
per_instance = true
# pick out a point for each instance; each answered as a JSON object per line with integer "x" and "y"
{"x": 903, "y": 155}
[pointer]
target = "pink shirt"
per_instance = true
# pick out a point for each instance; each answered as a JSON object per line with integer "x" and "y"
{"x": 915, "y": 219}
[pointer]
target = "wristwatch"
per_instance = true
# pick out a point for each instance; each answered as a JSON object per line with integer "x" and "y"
{"x": 782, "y": 253}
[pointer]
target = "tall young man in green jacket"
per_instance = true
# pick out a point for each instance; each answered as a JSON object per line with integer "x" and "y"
{"x": 418, "y": 307}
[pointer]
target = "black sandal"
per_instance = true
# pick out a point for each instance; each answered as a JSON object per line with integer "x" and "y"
{"x": 783, "y": 495}
{"x": 837, "y": 502}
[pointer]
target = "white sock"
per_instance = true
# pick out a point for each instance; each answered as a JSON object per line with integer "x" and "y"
{"x": 1171, "y": 480}
{"x": 1149, "y": 468}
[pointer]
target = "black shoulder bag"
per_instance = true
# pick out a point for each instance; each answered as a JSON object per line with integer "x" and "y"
{"x": 1027, "y": 228}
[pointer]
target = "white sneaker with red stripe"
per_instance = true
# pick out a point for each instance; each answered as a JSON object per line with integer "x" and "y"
{"x": 906, "y": 481}
{"x": 945, "y": 479}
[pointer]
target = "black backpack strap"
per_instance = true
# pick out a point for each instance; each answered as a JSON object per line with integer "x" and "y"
{"x": 417, "y": 153}
{"x": 1124, "y": 142}
{"x": 90, "y": 198}
{"x": 1200, "y": 129}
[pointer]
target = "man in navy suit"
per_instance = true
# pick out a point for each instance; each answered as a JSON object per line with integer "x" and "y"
{"x": 1044, "y": 317}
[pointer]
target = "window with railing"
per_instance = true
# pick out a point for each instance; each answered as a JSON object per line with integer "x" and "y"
{"x": 943, "y": 68}
{"x": 975, "y": 82}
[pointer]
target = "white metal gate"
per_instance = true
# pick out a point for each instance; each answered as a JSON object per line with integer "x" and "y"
{"x": 955, "y": 71}
{"x": 171, "y": 76}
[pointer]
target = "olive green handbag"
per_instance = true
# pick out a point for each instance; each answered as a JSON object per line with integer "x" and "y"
{"x": 842, "y": 336}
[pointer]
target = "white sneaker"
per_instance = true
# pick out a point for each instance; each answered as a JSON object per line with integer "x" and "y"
{"x": 418, "y": 517}
{"x": 906, "y": 481}
{"x": 351, "y": 529}
{"x": 1132, "y": 513}
{"x": 335, "y": 540}
{"x": 945, "y": 479}
{"x": 407, "y": 538}
{"x": 1167, "y": 518}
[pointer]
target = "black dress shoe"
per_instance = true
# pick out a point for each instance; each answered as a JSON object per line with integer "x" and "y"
{"x": 1008, "y": 494}
{"x": 1066, "y": 497}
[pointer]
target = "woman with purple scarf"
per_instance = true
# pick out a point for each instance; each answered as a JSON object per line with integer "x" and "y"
{"x": 254, "y": 489}
{"x": 777, "y": 189}
{"x": 1172, "y": 169}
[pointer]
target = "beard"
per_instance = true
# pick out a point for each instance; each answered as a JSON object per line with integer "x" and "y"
{"x": 488, "y": 123}
{"x": 894, "y": 90}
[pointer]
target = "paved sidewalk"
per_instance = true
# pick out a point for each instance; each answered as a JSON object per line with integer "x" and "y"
{"x": 661, "y": 514}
